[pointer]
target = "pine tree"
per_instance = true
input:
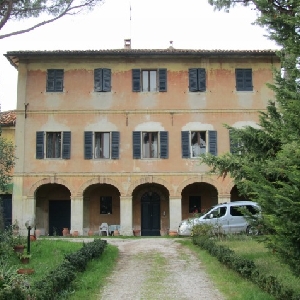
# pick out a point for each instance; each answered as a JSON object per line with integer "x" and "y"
{"x": 265, "y": 162}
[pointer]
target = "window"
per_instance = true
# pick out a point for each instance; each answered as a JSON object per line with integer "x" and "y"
{"x": 55, "y": 80}
{"x": 235, "y": 143}
{"x": 243, "y": 79}
{"x": 101, "y": 145}
{"x": 197, "y": 80}
{"x": 238, "y": 210}
{"x": 149, "y": 80}
{"x": 53, "y": 144}
{"x": 102, "y": 80}
{"x": 194, "y": 204}
{"x": 106, "y": 205}
{"x": 150, "y": 144}
{"x": 217, "y": 212}
{"x": 195, "y": 143}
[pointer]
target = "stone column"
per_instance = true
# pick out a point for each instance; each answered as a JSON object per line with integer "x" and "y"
{"x": 222, "y": 198}
{"x": 126, "y": 215}
{"x": 175, "y": 213}
{"x": 28, "y": 208}
{"x": 77, "y": 215}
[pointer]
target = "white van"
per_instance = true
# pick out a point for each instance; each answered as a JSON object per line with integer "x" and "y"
{"x": 225, "y": 216}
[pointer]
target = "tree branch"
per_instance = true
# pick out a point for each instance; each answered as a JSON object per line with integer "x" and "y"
{"x": 7, "y": 14}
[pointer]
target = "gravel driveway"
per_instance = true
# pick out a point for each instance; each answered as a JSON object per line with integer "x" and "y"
{"x": 157, "y": 268}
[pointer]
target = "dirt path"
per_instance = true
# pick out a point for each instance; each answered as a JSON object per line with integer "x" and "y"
{"x": 157, "y": 268}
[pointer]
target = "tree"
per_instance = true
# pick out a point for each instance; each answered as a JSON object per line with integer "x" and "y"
{"x": 54, "y": 9}
{"x": 7, "y": 162}
{"x": 265, "y": 163}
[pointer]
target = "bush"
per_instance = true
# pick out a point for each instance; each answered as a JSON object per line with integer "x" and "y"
{"x": 246, "y": 268}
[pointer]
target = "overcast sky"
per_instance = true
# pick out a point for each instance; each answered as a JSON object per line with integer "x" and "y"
{"x": 190, "y": 24}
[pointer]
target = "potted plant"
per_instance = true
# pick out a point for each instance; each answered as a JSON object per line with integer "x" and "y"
{"x": 24, "y": 258}
{"x": 18, "y": 243}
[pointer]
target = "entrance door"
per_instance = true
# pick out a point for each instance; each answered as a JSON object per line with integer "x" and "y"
{"x": 59, "y": 216}
{"x": 150, "y": 205}
{"x": 7, "y": 209}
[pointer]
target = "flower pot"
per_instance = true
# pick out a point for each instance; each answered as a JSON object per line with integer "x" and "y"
{"x": 65, "y": 231}
{"x": 32, "y": 238}
{"x": 25, "y": 271}
{"x": 75, "y": 233}
{"x": 116, "y": 232}
{"x": 173, "y": 233}
{"x": 19, "y": 248}
{"x": 136, "y": 232}
{"x": 90, "y": 233}
{"x": 24, "y": 260}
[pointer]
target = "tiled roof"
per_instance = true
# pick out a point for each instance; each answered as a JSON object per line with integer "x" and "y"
{"x": 8, "y": 118}
{"x": 14, "y": 56}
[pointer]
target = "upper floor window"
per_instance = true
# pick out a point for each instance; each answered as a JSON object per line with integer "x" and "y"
{"x": 102, "y": 145}
{"x": 55, "y": 80}
{"x": 53, "y": 144}
{"x": 197, "y": 80}
{"x": 150, "y": 144}
{"x": 102, "y": 80}
{"x": 243, "y": 79}
{"x": 195, "y": 143}
{"x": 149, "y": 80}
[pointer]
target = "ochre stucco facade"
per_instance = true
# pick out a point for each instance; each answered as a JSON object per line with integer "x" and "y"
{"x": 134, "y": 186}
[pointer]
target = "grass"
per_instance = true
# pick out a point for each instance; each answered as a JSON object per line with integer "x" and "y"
{"x": 230, "y": 284}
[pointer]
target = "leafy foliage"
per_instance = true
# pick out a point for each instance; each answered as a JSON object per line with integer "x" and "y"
{"x": 265, "y": 161}
{"x": 7, "y": 162}
{"x": 54, "y": 9}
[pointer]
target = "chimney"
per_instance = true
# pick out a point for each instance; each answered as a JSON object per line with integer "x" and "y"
{"x": 171, "y": 45}
{"x": 127, "y": 44}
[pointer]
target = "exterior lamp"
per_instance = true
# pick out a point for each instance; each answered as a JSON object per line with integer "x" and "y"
{"x": 29, "y": 225}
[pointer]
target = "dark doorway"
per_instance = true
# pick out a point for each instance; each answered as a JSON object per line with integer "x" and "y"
{"x": 150, "y": 211}
{"x": 7, "y": 209}
{"x": 59, "y": 216}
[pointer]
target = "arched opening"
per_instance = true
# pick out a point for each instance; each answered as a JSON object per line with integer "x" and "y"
{"x": 53, "y": 209}
{"x": 198, "y": 197}
{"x": 101, "y": 204}
{"x": 236, "y": 196}
{"x": 151, "y": 209}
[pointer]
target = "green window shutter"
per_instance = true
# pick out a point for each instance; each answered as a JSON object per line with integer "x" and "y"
{"x": 50, "y": 86}
{"x": 98, "y": 80}
{"x": 243, "y": 79}
{"x": 185, "y": 144}
{"x": 193, "y": 83}
{"x": 115, "y": 144}
{"x": 201, "y": 80}
{"x": 162, "y": 77}
{"x": 55, "y": 79}
{"x": 248, "y": 80}
{"x": 136, "y": 80}
{"x": 212, "y": 142}
{"x": 88, "y": 145}
{"x": 136, "y": 144}
{"x": 59, "y": 80}
{"x": 106, "y": 80}
{"x": 164, "y": 144}
{"x": 66, "y": 145}
{"x": 40, "y": 145}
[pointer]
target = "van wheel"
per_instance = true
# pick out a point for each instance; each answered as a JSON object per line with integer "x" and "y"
{"x": 252, "y": 231}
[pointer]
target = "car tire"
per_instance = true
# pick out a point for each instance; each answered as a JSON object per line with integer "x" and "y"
{"x": 252, "y": 230}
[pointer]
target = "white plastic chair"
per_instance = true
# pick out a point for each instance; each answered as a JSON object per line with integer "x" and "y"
{"x": 103, "y": 228}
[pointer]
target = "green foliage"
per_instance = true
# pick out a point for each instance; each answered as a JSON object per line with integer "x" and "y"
{"x": 7, "y": 162}
{"x": 54, "y": 9}
{"x": 265, "y": 162}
